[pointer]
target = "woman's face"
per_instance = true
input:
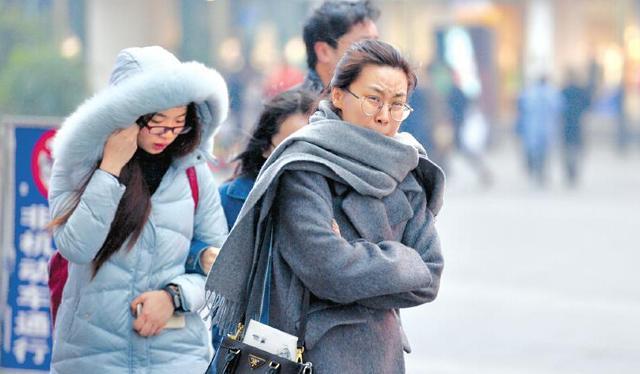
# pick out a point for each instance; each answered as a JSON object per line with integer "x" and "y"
{"x": 386, "y": 84}
{"x": 163, "y": 128}
{"x": 291, "y": 124}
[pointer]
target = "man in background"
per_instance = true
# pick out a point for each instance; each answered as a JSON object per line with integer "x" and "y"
{"x": 330, "y": 31}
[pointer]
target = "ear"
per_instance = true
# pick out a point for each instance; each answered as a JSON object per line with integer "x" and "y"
{"x": 267, "y": 153}
{"x": 337, "y": 97}
{"x": 323, "y": 52}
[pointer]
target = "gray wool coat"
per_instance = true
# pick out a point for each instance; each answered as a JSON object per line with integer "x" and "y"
{"x": 386, "y": 257}
{"x": 358, "y": 279}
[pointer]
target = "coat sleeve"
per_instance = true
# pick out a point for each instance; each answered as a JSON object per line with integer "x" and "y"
{"x": 193, "y": 259}
{"x": 210, "y": 227}
{"x": 420, "y": 234}
{"x": 330, "y": 266}
{"x": 82, "y": 236}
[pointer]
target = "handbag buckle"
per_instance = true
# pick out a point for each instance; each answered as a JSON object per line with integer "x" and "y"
{"x": 238, "y": 332}
{"x": 299, "y": 353}
{"x": 308, "y": 368}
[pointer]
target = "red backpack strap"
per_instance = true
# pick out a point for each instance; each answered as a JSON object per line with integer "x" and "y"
{"x": 58, "y": 273}
{"x": 193, "y": 184}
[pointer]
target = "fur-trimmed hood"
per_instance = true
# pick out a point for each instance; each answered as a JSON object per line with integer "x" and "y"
{"x": 144, "y": 80}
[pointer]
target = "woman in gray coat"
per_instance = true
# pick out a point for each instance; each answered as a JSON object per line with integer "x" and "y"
{"x": 352, "y": 205}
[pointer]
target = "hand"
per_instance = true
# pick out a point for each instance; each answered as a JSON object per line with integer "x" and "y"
{"x": 335, "y": 227}
{"x": 208, "y": 257}
{"x": 119, "y": 148}
{"x": 157, "y": 309}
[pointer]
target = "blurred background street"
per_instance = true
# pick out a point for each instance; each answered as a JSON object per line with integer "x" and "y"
{"x": 532, "y": 107}
{"x": 536, "y": 282}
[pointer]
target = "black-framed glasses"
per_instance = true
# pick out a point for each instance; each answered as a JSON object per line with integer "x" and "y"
{"x": 161, "y": 130}
{"x": 372, "y": 105}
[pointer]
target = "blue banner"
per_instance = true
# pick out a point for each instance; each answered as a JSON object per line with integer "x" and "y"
{"x": 26, "y": 341}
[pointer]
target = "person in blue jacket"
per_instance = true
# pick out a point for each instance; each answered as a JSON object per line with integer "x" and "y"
{"x": 124, "y": 217}
{"x": 284, "y": 114}
{"x": 281, "y": 116}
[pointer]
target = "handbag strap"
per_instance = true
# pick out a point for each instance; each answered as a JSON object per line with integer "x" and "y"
{"x": 302, "y": 328}
{"x": 306, "y": 296}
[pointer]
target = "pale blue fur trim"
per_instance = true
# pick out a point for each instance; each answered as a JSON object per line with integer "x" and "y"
{"x": 79, "y": 142}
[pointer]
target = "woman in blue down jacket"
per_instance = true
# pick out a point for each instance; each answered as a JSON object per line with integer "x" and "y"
{"x": 124, "y": 216}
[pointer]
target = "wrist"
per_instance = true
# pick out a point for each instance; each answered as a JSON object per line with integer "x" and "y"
{"x": 175, "y": 296}
{"x": 167, "y": 296}
{"x": 111, "y": 169}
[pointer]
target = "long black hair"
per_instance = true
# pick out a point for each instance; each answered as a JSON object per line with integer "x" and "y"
{"x": 135, "y": 206}
{"x": 274, "y": 113}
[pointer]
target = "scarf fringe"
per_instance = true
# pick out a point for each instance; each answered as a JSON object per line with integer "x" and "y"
{"x": 222, "y": 312}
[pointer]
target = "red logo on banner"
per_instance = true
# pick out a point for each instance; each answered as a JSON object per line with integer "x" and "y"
{"x": 42, "y": 162}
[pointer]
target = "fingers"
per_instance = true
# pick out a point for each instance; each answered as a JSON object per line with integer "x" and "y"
{"x": 142, "y": 325}
{"x": 132, "y": 130}
{"x": 134, "y": 304}
{"x": 145, "y": 326}
{"x": 153, "y": 317}
{"x": 208, "y": 257}
{"x": 147, "y": 329}
{"x": 335, "y": 227}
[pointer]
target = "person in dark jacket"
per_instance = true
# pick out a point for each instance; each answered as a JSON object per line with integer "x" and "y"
{"x": 576, "y": 102}
{"x": 281, "y": 116}
{"x": 351, "y": 203}
{"x": 330, "y": 31}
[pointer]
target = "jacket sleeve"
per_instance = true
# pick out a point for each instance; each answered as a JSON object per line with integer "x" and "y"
{"x": 420, "y": 234}
{"x": 210, "y": 227}
{"x": 80, "y": 238}
{"x": 193, "y": 259}
{"x": 330, "y": 266}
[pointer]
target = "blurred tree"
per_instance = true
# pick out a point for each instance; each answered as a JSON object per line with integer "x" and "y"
{"x": 35, "y": 79}
{"x": 39, "y": 81}
{"x": 15, "y": 31}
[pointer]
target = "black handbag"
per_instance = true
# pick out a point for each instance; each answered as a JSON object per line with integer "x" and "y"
{"x": 236, "y": 357}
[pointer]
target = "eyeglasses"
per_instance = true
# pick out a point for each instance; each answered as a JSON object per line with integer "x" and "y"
{"x": 371, "y": 105}
{"x": 161, "y": 130}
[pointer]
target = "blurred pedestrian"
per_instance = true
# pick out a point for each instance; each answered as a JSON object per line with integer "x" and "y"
{"x": 330, "y": 31}
{"x": 351, "y": 205}
{"x": 420, "y": 122}
{"x": 539, "y": 108}
{"x": 124, "y": 217}
{"x": 474, "y": 137}
{"x": 576, "y": 102}
{"x": 457, "y": 103}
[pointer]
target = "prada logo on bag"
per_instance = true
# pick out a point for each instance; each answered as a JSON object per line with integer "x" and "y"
{"x": 255, "y": 361}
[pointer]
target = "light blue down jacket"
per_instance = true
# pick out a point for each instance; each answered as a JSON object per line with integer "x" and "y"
{"x": 94, "y": 329}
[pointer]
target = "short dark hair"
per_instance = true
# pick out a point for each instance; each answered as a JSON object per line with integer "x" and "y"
{"x": 274, "y": 113}
{"x": 332, "y": 20}
{"x": 369, "y": 52}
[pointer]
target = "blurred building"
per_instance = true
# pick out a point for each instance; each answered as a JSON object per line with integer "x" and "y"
{"x": 494, "y": 46}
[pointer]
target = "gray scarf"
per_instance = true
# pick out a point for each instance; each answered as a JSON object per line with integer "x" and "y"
{"x": 369, "y": 162}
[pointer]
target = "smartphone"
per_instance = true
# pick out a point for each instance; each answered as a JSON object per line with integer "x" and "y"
{"x": 177, "y": 321}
